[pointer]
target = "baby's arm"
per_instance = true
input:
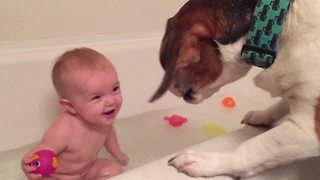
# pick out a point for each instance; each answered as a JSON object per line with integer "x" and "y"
{"x": 113, "y": 147}
{"x": 55, "y": 139}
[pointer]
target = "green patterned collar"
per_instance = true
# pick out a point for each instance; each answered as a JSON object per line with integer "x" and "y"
{"x": 260, "y": 48}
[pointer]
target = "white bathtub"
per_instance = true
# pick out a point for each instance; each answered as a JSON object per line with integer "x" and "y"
{"x": 28, "y": 105}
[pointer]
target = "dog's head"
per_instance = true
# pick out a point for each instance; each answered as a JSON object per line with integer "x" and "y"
{"x": 189, "y": 53}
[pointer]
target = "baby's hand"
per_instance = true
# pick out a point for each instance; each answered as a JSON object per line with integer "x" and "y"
{"x": 27, "y": 168}
{"x": 122, "y": 158}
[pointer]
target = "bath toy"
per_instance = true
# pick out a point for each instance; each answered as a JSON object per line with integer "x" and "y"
{"x": 175, "y": 120}
{"x": 229, "y": 102}
{"x": 45, "y": 162}
{"x": 213, "y": 130}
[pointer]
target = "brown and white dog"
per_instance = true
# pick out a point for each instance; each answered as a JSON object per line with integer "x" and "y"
{"x": 200, "y": 53}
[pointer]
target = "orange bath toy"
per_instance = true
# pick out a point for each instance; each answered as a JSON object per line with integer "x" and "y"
{"x": 229, "y": 102}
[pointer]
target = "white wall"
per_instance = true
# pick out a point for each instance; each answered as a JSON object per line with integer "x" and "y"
{"x": 50, "y": 19}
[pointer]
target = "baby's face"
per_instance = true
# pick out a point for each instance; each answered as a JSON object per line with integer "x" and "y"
{"x": 97, "y": 96}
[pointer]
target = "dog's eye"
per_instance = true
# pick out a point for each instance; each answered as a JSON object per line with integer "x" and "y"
{"x": 214, "y": 44}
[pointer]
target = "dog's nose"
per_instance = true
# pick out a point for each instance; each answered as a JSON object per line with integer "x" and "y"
{"x": 188, "y": 95}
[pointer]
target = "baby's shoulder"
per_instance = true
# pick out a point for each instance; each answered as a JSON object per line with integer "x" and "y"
{"x": 60, "y": 132}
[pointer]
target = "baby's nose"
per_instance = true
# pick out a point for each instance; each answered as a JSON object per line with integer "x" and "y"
{"x": 109, "y": 101}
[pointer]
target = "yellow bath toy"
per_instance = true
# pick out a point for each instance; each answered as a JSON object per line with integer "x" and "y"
{"x": 213, "y": 130}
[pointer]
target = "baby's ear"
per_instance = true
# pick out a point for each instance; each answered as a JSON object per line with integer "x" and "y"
{"x": 67, "y": 105}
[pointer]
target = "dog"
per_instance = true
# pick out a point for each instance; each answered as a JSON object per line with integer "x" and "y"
{"x": 201, "y": 52}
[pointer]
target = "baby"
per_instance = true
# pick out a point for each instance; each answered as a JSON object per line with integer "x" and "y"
{"x": 89, "y": 91}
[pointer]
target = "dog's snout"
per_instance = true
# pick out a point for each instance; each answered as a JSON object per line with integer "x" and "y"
{"x": 188, "y": 95}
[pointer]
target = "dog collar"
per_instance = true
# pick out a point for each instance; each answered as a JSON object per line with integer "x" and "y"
{"x": 260, "y": 47}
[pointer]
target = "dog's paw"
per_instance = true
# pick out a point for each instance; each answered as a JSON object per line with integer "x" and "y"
{"x": 257, "y": 118}
{"x": 198, "y": 164}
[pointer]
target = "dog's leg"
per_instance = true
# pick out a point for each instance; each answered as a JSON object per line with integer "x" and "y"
{"x": 268, "y": 116}
{"x": 291, "y": 140}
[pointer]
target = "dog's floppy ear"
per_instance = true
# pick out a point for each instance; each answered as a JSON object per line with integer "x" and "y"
{"x": 169, "y": 52}
{"x": 190, "y": 46}
{"x": 180, "y": 46}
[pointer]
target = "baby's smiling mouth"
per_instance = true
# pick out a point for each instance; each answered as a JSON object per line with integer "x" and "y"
{"x": 109, "y": 112}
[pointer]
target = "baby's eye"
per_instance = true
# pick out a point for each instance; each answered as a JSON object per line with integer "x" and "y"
{"x": 96, "y": 97}
{"x": 116, "y": 89}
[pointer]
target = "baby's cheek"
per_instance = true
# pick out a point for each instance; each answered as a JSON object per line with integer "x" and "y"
{"x": 119, "y": 101}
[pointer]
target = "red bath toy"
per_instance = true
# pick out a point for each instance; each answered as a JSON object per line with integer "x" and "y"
{"x": 45, "y": 162}
{"x": 229, "y": 102}
{"x": 175, "y": 120}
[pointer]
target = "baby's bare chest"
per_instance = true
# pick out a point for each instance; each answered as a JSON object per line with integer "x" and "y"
{"x": 84, "y": 146}
{"x": 87, "y": 144}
